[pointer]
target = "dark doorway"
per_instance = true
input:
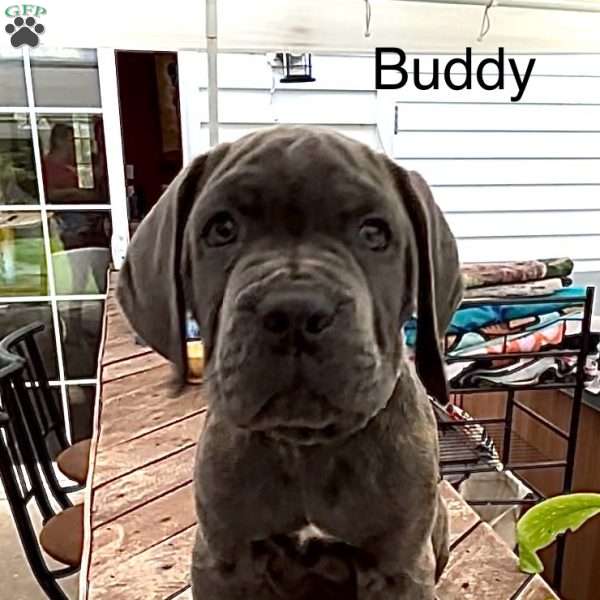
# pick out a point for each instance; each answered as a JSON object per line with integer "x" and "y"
{"x": 151, "y": 126}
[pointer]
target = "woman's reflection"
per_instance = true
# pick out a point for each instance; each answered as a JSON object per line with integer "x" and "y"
{"x": 82, "y": 232}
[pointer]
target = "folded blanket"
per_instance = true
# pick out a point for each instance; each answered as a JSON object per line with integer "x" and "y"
{"x": 529, "y": 334}
{"x": 476, "y": 318}
{"x": 529, "y": 371}
{"x": 525, "y": 371}
{"x": 516, "y": 290}
{"x": 485, "y": 274}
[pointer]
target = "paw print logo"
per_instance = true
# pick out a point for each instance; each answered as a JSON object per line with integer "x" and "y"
{"x": 24, "y": 32}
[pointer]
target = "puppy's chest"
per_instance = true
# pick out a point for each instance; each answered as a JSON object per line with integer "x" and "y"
{"x": 337, "y": 499}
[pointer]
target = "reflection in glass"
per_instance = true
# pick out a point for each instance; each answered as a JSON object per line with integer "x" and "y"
{"x": 14, "y": 315}
{"x": 80, "y": 243}
{"x": 18, "y": 184}
{"x": 12, "y": 78}
{"x": 74, "y": 159}
{"x": 22, "y": 258}
{"x": 81, "y": 409}
{"x": 65, "y": 77}
{"x": 80, "y": 323}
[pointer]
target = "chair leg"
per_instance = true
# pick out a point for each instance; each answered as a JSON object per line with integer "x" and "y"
{"x": 26, "y": 533}
{"x": 59, "y": 492}
{"x": 24, "y": 412}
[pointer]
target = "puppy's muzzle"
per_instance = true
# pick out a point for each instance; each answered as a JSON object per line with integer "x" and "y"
{"x": 297, "y": 357}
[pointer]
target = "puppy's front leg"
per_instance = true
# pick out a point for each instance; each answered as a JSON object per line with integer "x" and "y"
{"x": 409, "y": 582}
{"x": 246, "y": 493}
{"x": 214, "y": 579}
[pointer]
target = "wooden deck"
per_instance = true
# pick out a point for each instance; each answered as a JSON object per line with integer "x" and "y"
{"x": 139, "y": 514}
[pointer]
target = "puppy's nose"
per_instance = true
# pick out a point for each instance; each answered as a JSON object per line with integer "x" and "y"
{"x": 301, "y": 310}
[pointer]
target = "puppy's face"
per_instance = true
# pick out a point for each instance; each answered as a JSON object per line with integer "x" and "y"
{"x": 298, "y": 262}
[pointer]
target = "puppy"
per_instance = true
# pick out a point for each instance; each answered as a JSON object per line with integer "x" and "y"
{"x": 301, "y": 253}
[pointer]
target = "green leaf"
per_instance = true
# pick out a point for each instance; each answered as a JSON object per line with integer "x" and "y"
{"x": 543, "y": 523}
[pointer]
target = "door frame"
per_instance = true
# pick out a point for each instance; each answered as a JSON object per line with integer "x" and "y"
{"x": 115, "y": 161}
{"x": 192, "y": 73}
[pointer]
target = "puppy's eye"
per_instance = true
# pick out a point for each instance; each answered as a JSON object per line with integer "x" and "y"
{"x": 220, "y": 230}
{"x": 376, "y": 234}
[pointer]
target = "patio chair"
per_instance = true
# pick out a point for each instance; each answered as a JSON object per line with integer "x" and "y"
{"x": 81, "y": 270}
{"x": 43, "y": 414}
{"x": 61, "y": 536}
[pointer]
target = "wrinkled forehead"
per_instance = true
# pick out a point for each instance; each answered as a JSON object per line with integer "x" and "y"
{"x": 305, "y": 174}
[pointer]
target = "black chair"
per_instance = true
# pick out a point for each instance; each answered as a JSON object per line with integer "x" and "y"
{"x": 45, "y": 414}
{"x": 24, "y": 483}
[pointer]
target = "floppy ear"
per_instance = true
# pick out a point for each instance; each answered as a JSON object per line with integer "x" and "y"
{"x": 439, "y": 283}
{"x": 150, "y": 287}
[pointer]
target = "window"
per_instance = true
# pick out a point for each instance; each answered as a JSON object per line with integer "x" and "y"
{"x": 55, "y": 219}
{"x": 73, "y": 158}
{"x": 22, "y": 258}
{"x": 12, "y": 78}
{"x": 18, "y": 183}
{"x": 65, "y": 77}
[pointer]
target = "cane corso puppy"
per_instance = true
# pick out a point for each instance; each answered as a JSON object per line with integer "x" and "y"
{"x": 301, "y": 253}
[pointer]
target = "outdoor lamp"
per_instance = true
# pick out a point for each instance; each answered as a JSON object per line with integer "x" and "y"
{"x": 296, "y": 67}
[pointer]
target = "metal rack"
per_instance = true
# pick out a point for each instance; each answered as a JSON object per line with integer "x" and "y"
{"x": 461, "y": 448}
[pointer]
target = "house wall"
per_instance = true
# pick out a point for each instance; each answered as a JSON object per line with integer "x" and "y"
{"x": 343, "y": 97}
{"x": 516, "y": 179}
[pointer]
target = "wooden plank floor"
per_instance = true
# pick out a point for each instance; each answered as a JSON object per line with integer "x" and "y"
{"x": 139, "y": 512}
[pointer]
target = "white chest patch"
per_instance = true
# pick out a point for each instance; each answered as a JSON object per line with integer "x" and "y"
{"x": 311, "y": 531}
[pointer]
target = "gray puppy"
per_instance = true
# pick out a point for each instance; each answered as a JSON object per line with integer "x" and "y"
{"x": 301, "y": 254}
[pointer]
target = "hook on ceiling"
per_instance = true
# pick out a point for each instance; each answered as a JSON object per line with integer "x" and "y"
{"x": 367, "y": 18}
{"x": 485, "y": 22}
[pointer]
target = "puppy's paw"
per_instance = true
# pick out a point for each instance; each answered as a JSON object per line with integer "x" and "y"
{"x": 373, "y": 582}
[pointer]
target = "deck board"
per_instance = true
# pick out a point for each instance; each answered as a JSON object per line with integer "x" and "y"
{"x": 120, "y": 387}
{"x": 142, "y": 485}
{"x": 156, "y": 445}
{"x": 140, "y": 517}
{"x": 158, "y": 409}
{"x": 464, "y": 518}
{"x": 123, "y": 348}
{"x": 481, "y": 553}
{"x": 132, "y": 366}
{"x": 129, "y": 535}
{"x": 160, "y": 572}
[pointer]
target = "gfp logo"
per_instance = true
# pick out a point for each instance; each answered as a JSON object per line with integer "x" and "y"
{"x": 24, "y": 29}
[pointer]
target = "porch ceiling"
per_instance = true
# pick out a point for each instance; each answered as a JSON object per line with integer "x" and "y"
{"x": 319, "y": 25}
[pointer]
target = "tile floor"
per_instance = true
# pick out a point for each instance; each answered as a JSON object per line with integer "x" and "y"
{"x": 15, "y": 574}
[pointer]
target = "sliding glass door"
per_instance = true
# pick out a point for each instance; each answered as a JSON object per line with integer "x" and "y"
{"x": 62, "y": 209}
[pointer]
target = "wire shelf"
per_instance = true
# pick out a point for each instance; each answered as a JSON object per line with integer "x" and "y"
{"x": 461, "y": 450}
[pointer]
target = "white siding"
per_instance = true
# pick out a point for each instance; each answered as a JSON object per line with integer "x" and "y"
{"x": 343, "y": 97}
{"x": 516, "y": 180}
